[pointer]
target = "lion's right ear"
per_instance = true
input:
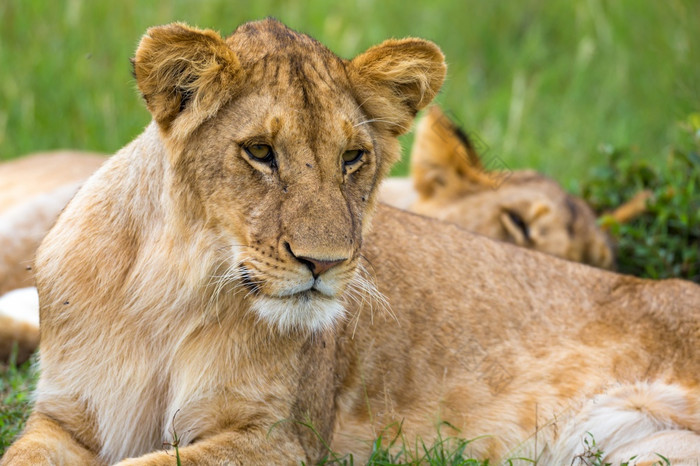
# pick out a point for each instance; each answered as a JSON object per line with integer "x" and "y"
{"x": 180, "y": 70}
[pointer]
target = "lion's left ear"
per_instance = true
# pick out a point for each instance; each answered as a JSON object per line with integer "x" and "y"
{"x": 397, "y": 78}
{"x": 179, "y": 68}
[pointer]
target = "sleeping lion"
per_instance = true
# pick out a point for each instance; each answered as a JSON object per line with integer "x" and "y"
{"x": 449, "y": 181}
{"x": 229, "y": 279}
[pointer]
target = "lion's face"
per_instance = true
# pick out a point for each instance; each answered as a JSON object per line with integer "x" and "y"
{"x": 291, "y": 195}
{"x": 284, "y": 153}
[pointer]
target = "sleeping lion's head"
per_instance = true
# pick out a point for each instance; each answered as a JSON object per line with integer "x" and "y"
{"x": 521, "y": 207}
{"x": 279, "y": 147}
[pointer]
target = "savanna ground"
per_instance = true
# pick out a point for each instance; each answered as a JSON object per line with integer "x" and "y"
{"x": 603, "y": 96}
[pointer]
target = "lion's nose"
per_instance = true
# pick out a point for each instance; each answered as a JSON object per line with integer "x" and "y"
{"x": 316, "y": 266}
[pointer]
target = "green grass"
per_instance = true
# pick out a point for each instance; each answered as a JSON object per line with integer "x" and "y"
{"x": 395, "y": 449}
{"x": 16, "y": 383}
{"x": 542, "y": 83}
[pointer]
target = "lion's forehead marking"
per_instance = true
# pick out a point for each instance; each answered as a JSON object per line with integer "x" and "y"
{"x": 268, "y": 36}
{"x": 313, "y": 82}
{"x": 295, "y": 68}
{"x": 278, "y": 53}
{"x": 269, "y": 33}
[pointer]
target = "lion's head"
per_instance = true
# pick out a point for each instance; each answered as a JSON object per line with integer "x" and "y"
{"x": 280, "y": 145}
{"x": 521, "y": 207}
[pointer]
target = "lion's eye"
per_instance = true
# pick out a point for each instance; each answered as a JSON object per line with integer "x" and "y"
{"x": 351, "y": 157}
{"x": 520, "y": 223}
{"x": 260, "y": 152}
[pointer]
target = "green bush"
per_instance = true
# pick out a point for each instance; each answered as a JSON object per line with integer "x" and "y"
{"x": 664, "y": 241}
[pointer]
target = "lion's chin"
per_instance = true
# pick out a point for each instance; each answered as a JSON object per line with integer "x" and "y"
{"x": 306, "y": 311}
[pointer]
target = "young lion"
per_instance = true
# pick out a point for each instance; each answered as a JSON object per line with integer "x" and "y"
{"x": 217, "y": 279}
{"x": 523, "y": 207}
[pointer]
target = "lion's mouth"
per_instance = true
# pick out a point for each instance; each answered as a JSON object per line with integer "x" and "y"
{"x": 307, "y": 291}
{"x": 300, "y": 306}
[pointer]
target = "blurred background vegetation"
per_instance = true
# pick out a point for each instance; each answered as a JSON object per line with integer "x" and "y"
{"x": 543, "y": 83}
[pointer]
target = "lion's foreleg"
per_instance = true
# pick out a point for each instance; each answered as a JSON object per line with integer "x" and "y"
{"x": 45, "y": 442}
{"x": 230, "y": 448}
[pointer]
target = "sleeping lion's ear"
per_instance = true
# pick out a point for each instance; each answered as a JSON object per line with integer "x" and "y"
{"x": 444, "y": 160}
{"x": 179, "y": 68}
{"x": 397, "y": 78}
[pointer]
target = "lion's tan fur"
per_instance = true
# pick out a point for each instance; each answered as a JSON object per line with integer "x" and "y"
{"x": 34, "y": 190}
{"x": 156, "y": 283}
{"x": 449, "y": 182}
